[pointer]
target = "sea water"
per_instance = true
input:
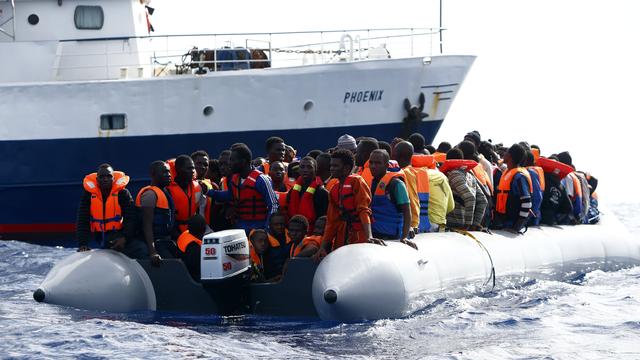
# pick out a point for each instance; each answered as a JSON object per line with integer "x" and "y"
{"x": 595, "y": 317}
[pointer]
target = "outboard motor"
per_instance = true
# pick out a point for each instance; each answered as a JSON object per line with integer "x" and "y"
{"x": 225, "y": 269}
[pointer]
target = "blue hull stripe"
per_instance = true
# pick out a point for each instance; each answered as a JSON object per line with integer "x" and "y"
{"x": 40, "y": 180}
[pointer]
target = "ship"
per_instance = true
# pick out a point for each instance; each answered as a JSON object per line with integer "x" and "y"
{"x": 88, "y": 82}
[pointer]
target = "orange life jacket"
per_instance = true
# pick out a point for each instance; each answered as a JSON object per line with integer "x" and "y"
{"x": 536, "y": 153}
{"x": 505, "y": 186}
{"x": 482, "y": 177}
{"x": 343, "y": 196}
{"x": 452, "y": 164}
{"x": 540, "y": 173}
{"x": 423, "y": 161}
{"x": 163, "y": 215}
{"x": 303, "y": 204}
{"x": 186, "y": 203}
{"x": 440, "y": 157}
{"x": 554, "y": 167}
{"x": 296, "y": 249}
{"x": 105, "y": 215}
{"x": 250, "y": 204}
{"x": 365, "y": 171}
{"x": 422, "y": 184}
{"x": 185, "y": 239}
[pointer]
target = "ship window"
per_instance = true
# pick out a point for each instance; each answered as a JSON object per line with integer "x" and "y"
{"x": 113, "y": 121}
{"x": 89, "y": 17}
{"x": 33, "y": 19}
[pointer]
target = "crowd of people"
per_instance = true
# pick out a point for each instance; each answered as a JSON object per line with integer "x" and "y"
{"x": 361, "y": 190}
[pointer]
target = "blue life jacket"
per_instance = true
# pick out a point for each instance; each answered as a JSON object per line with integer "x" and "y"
{"x": 387, "y": 219}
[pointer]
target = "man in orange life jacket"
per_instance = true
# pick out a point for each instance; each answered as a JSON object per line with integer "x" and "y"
{"x": 221, "y": 212}
{"x": 275, "y": 148}
{"x": 250, "y": 192}
{"x": 187, "y": 193}
{"x": 349, "y": 212}
{"x": 279, "y": 246}
{"x": 513, "y": 194}
{"x": 301, "y": 246}
{"x": 556, "y": 207}
{"x": 403, "y": 152}
{"x": 390, "y": 203}
{"x": 308, "y": 197}
{"x": 324, "y": 163}
{"x": 277, "y": 175}
{"x": 189, "y": 244}
{"x": 106, "y": 212}
{"x": 363, "y": 152}
{"x": 157, "y": 213}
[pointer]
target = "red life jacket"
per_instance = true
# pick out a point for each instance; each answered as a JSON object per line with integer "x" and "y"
{"x": 185, "y": 239}
{"x": 505, "y": 186}
{"x": 423, "y": 161}
{"x": 250, "y": 204}
{"x": 343, "y": 196}
{"x": 452, "y": 164}
{"x": 554, "y": 167}
{"x": 186, "y": 203}
{"x": 303, "y": 204}
{"x": 105, "y": 215}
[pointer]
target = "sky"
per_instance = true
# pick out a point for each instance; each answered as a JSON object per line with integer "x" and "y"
{"x": 562, "y": 74}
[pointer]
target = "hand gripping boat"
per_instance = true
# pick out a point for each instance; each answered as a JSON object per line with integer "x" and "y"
{"x": 354, "y": 283}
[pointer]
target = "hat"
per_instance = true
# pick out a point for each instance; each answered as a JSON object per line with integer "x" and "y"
{"x": 347, "y": 142}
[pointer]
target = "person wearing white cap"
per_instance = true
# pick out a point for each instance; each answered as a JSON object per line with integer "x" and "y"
{"x": 348, "y": 142}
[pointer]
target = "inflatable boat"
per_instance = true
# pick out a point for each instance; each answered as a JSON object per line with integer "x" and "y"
{"x": 354, "y": 283}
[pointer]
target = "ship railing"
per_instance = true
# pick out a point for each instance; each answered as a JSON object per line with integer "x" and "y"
{"x": 159, "y": 55}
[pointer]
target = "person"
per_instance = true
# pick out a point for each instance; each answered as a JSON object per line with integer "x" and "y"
{"x": 214, "y": 175}
{"x": 258, "y": 245}
{"x": 277, "y": 175}
{"x": 418, "y": 142}
{"x": 574, "y": 188}
{"x": 385, "y": 146}
{"x": 279, "y": 246}
{"x": 348, "y": 142}
{"x": 390, "y": 203}
{"x": 485, "y": 183}
{"x": 289, "y": 154}
{"x": 318, "y": 231}
{"x": 187, "y": 193}
{"x": 250, "y": 192}
{"x": 276, "y": 149}
{"x": 441, "y": 152}
{"x": 470, "y": 201}
{"x": 314, "y": 153}
{"x": 416, "y": 178}
{"x": 157, "y": 213}
{"x": 513, "y": 195}
{"x": 324, "y": 162}
{"x": 429, "y": 149}
{"x": 189, "y": 244}
{"x": 441, "y": 201}
{"x": 538, "y": 185}
{"x": 308, "y": 196}
{"x": 106, "y": 213}
{"x": 485, "y": 179}
{"x": 201, "y": 162}
{"x": 556, "y": 207}
{"x": 349, "y": 213}
{"x": 363, "y": 152}
{"x": 221, "y": 212}
{"x": 301, "y": 246}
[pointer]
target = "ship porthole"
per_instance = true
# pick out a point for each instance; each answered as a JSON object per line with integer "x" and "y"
{"x": 208, "y": 110}
{"x": 33, "y": 19}
{"x": 308, "y": 105}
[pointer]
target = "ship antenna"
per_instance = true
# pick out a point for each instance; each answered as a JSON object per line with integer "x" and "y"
{"x": 440, "y": 29}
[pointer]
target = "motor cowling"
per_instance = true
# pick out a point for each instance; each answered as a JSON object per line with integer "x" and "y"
{"x": 225, "y": 269}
